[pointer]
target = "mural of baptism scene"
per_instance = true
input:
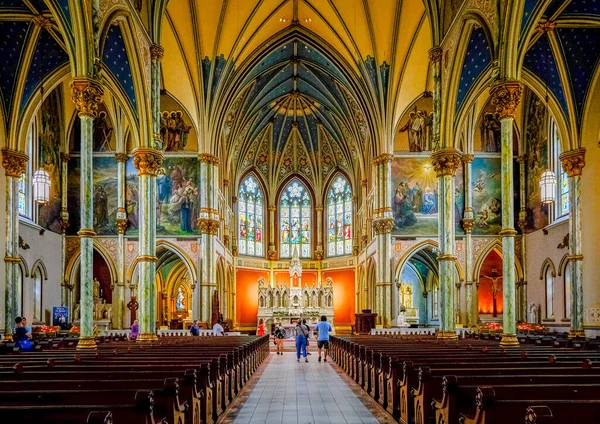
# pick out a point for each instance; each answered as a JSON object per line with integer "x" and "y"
{"x": 176, "y": 200}
{"x": 415, "y": 197}
{"x": 49, "y": 159}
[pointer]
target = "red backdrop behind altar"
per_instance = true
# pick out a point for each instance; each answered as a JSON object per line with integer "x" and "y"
{"x": 247, "y": 293}
{"x": 492, "y": 262}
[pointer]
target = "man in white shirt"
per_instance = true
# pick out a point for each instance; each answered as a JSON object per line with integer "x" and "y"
{"x": 218, "y": 329}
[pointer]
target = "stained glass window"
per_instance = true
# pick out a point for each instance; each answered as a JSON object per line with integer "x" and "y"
{"x": 23, "y": 195}
{"x": 564, "y": 194}
{"x": 251, "y": 218}
{"x": 339, "y": 218}
{"x": 295, "y": 221}
{"x": 549, "y": 293}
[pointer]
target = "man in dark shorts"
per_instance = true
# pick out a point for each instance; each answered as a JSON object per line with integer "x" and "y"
{"x": 323, "y": 328}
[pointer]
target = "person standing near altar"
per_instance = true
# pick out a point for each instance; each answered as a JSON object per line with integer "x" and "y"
{"x": 323, "y": 329}
{"x": 301, "y": 338}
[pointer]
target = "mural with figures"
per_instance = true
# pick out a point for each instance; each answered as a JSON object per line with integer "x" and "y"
{"x": 536, "y": 142}
{"x": 49, "y": 158}
{"x": 177, "y": 201}
{"x": 487, "y": 194}
{"x": 415, "y": 197}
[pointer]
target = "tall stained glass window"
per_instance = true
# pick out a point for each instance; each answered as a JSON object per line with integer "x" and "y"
{"x": 339, "y": 218}
{"x": 295, "y": 221}
{"x": 564, "y": 193}
{"x": 23, "y": 195}
{"x": 251, "y": 218}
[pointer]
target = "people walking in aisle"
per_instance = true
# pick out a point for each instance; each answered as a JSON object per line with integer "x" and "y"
{"x": 279, "y": 338}
{"x": 323, "y": 328}
{"x": 301, "y": 338}
{"x": 307, "y": 337}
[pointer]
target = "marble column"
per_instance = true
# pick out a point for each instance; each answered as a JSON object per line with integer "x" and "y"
{"x": 272, "y": 253}
{"x": 148, "y": 162}
{"x": 435, "y": 57}
{"x": 156, "y": 53}
{"x": 319, "y": 252}
{"x": 65, "y": 288}
{"x": 382, "y": 224}
{"x": 573, "y": 162}
{"x": 467, "y": 224}
{"x": 506, "y": 97}
{"x": 14, "y": 164}
{"x": 209, "y": 224}
{"x": 87, "y": 95}
{"x": 522, "y": 285}
{"x": 119, "y": 296}
{"x": 445, "y": 163}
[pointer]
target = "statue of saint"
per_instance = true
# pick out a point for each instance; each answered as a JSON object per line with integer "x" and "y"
{"x": 96, "y": 286}
{"x": 533, "y": 313}
{"x": 76, "y": 310}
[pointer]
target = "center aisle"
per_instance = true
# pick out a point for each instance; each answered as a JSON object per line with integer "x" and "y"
{"x": 293, "y": 392}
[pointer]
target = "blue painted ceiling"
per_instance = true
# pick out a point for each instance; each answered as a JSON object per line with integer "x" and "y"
{"x": 14, "y": 37}
{"x": 117, "y": 61}
{"x": 477, "y": 59}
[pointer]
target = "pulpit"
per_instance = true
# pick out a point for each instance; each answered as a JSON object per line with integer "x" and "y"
{"x": 365, "y": 321}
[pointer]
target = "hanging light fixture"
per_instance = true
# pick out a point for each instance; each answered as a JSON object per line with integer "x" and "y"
{"x": 548, "y": 187}
{"x": 41, "y": 186}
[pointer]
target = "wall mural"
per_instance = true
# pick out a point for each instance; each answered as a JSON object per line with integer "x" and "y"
{"x": 536, "y": 142}
{"x": 104, "y": 140}
{"x": 415, "y": 197}
{"x": 415, "y": 130}
{"x": 487, "y": 194}
{"x": 49, "y": 158}
{"x": 177, "y": 134}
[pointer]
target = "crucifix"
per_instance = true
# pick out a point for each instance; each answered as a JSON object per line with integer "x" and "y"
{"x": 495, "y": 288}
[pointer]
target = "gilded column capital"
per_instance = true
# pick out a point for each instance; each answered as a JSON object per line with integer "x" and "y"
{"x": 467, "y": 225}
{"x": 121, "y": 226}
{"x": 87, "y": 94}
{"x": 272, "y": 208}
{"x": 506, "y": 96}
{"x": 14, "y": 163}
{"x": 384, "y": 158}
{"x": 208, "y": 158}
{"x": 208, "y": 226}
{"x": 383, "y": 225}
{"x": 157, "y": 52}
{"x": 65, "y": 157}
{"x": 467, "y": 158}
{"x": 573, "y": 161}
{"x": 121, "y": 157}
{"x": 319, "y": 209}
{"x": 445, "y": 162}
{"x": 522, "y": 158}
{"x": 147, "y": 161}
{"x": 435, "y": 54}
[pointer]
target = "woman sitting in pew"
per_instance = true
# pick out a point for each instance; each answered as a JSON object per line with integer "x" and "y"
{"x": 22, "y": 337}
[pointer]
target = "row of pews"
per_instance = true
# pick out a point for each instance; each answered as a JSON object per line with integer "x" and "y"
{"x": 421, "y": 380}
{"x": 178, "y": 380}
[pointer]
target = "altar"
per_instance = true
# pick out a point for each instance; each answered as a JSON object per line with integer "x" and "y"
{"x": 284, "y": 305}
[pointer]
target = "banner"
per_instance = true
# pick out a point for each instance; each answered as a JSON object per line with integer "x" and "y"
{"x": 60, "y": 317}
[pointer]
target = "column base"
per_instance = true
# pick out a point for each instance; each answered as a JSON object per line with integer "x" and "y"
{"x": 576, "y": 334}
{"x": 8, "y": 338}
{"x": 509, "y": 340}
{"x": 446, "y": 335}
{"x": 146, "y": 338}
{"x": 86, "y": 343}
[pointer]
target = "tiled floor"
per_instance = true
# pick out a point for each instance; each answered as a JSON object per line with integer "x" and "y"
{"x": 293, "y": 392}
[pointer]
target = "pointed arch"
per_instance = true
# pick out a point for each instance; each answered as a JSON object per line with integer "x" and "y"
{"x": 562, "y": 266}
{"x": 339, "y": 215}
{"x": 39, "y": 266}
{"x": 295, "y": 218}
{"x": 495, "y": 244}
{"x": 251, "y": 215}
{"x": 547, "y": 264}
{"x": 72, "y": 266}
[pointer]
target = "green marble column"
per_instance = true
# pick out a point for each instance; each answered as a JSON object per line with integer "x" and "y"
{"x": 506, "y": 97}
{"x": 119, "y": 301}
{"x": 87, "y": 95}
{"x": 467, "y": 223}
{"x": 209, "y": 224}
{"x": 14, "y": 164}
{"x": 382, "y": 225}
{"x": 573, "y": 162}
{"x": 148, "y": 162}
{"x": 446, "y": 162}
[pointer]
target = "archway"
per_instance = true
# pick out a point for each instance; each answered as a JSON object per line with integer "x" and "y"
{"x": 490, "y": 291}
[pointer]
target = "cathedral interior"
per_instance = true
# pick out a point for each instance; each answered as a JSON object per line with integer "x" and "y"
{"x": 425, "y": 158}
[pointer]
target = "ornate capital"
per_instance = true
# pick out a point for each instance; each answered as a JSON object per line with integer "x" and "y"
{"x": 319, "y": 209}
{"x": 383, "y": 226}
{"x": 522, "y": 159}
{"x": 14, "y": 163}
{"x": 121, "y": 157}
{"x": 147, "y": 161}
{"x": 467, "y": 158}
{"x": 157, "y": 52}
{"x": 506, "y": 97}
{"x": 435, "y": 54}
{"x": 467, "y": 225}
{"x": 319, "y": 255}
{"x": 65, "y": 157}
{"x": 445, "y": 162}
{"x": 208, "y": 226}
{"x": 573, "y": 161}
{"x": 272, "y": 208}
{"x": 384, "y": 158}
{"x": 121, "y": 226}
{"x": 208, "y": 158}
{"x": 87, "y": 96}
{"x": 64, "y": 224}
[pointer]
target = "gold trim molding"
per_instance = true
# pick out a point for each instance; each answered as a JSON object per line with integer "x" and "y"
{"x": 208, "y": 158}
{"x": 384, "y": 158}
{"x": 86, "y": 343}
{"x": 86, "y": 232}
{"x": 147, "y": 258}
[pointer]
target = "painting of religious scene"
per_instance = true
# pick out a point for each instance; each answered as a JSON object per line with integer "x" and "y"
{"x": 177, "y": 200}
{"x": 487, "y": 192}
{"x": 104, "y": 195}
{"x": 415, "y": 129}
{"x": 49, "y": 159}
{"x": 536, "y": 142}
{"x": 177, "y": 134}
{"x": 487, "y": 136}
{"x": 104, "y": 140}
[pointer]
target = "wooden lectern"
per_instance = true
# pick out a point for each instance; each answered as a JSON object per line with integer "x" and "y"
{"x": 365, "y": 321}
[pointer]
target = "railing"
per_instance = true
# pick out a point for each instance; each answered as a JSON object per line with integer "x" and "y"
{"x": 167, "y": 333}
